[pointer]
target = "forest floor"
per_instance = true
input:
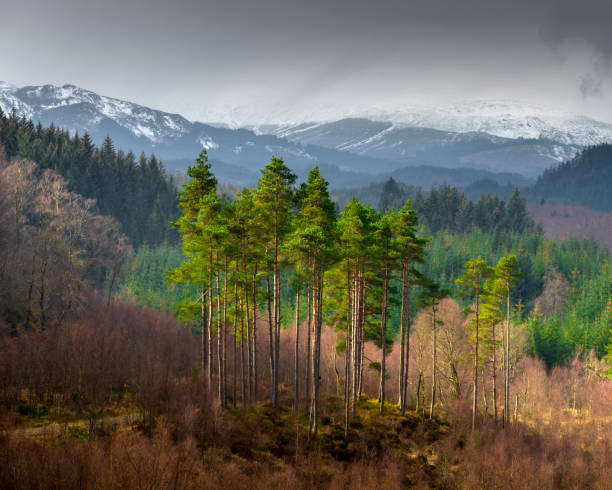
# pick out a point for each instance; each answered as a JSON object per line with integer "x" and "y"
{"x": 262, "y": 447}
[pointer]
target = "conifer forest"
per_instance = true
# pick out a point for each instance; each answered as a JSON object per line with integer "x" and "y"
{"x": 375, "y": 251}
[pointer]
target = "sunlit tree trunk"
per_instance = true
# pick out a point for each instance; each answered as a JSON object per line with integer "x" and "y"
{"x": 308, "y": 348}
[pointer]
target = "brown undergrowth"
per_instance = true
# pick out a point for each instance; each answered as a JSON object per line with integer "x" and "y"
{"x": 199, "y": 446}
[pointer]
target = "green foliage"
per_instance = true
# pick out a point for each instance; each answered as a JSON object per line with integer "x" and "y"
{"x": 585, "y": 180}
{"x": 146, "y": 281}
{"x": 136, "y": 191}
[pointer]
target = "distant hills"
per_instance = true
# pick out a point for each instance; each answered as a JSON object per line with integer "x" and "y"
{"x": 463, "y": 146}
{"x": 426, "y": 146}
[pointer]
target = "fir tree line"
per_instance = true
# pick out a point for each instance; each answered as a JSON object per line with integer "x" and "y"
{"x": 135, "y": 190}
{"x": 344, "y": 270}
{"x": 446, "y": 208}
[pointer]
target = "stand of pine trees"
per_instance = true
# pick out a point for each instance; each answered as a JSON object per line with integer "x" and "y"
{"x": 134, "y": 190}
{"x": 346, "y": 269}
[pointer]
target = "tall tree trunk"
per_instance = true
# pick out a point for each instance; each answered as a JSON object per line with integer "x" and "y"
{"x": 209, "y": 342}
{"x": 235, "y": 357}
{"x": 494, "y": 378}
{"x": 433, "y": 367}
{"x": 254, "y": 334}
{"x": 204, "y": 334}
{"x": 276, "y": 323}
{"x": 507, "y": 365}
{"x": 402, "y": 401}
{"x": 296, "y": 370}
{"x": 383, "y": 326}
{"x": 243, "y": 368}
{"x": 308, "y": 348}
{"x": 407, "y": 348}
{"x": 361, "y": 340}
{"x": 271, "y": 343}
{"x": 355, "y": 350}
{"x": 249, "y": 341}
{"x": 475, "y": 398}
{"x": 220, "y": 342}
{"x": 347, "y": 353}
{"x": 316, "y": 360}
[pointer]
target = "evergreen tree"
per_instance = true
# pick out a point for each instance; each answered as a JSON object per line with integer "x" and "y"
{"x": 410, "y": 250}
{"x": 313, "y": 239}
{"x": 471, "y": 285}
{"x": 198, "y": 203}
{"x": 273, "y": 198}
{"x": 431, "y": 297}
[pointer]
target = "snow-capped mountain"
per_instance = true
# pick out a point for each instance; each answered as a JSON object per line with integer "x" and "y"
{"x": 497, "y": 137}
{"x": 170, "y": 136}
{"x": 506, "y": 119}
{"x": 415, "y": 145}
{"x": 75, "y": 108}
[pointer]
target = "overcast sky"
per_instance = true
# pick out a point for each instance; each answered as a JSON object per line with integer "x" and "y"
{"x": 262, "y": 58}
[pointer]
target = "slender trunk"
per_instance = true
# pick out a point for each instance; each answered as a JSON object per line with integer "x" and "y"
{"x": 347, "y": 354}
{"x": 433, "y": 367}
{"x": 383, "y": 326}
{"x": 271, "y": 343}
{"x": 249, "y": 332}
{"x": 418, "y": 393}
{"x": 402, "y": 401}
{"x": 355, "y": 343}
{"x": 485, "y": 400}
{"x": 475, "y": 398}
{"x": 313, "y": 353}
{"x": 276, "y": 323}
{"x": 494, "y": 378}
{"x": 296, "y": 370}
{"x": 507, "y": 365}
{"x": 203, "y": 351}
{"x": 243, "y": 368}
{"x": 254, "y": 334}
{"x": 308, "y": 348}
{"x": 316, "y": 361}
{"x": 407, "y": 348}
{"x": 209, "y": 342}
{"x": 249, "y": 341}
{"x": 220, "y": 336}
{"x": 361, "y": 339}
{"x": 235, "y": 370}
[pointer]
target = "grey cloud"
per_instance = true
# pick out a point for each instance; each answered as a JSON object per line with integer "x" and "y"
{"x": 191, "y": 55}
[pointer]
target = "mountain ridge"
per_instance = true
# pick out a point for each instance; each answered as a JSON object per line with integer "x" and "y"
{"x": 350, "y": 144}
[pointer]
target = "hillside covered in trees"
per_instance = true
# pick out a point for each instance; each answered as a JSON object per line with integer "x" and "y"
{"x": 585, "y": 180}
{"x": 290, "y": 339}
{"x": 134, "y": 190}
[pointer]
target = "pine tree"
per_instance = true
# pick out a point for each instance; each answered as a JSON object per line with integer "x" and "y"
{"x": 506, "y": 277}
{"x": 198, "y": 195}
{"x": 410, "y": 250}
{"x": 471, "y": 285}
{"x": 313, "y": 239}
{"x": 273, "y": 198}
{"x": 431, "y": 297}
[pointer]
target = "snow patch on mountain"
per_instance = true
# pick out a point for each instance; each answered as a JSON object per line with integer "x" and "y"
{"x": 208, "y": 143}
{"x": 506, "y": 119}
{"x": 35, "y": 102}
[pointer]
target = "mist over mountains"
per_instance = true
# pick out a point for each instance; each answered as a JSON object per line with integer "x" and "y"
{"x": 504, "y": 143}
